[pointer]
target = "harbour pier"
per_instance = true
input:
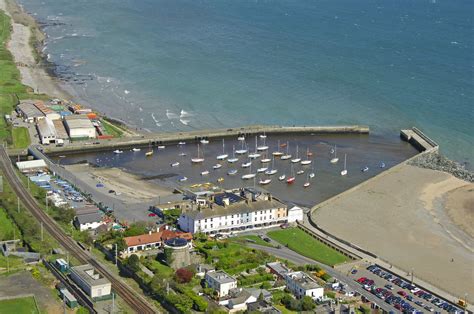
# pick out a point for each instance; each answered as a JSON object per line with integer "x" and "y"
{"x": 154, "y": 139}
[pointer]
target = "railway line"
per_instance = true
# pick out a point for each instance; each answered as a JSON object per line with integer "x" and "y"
{"x": 131, "y": 297}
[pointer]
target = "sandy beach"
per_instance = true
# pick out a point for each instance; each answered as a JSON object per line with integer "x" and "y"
{"x": 129, "y": 188}
{"x": 413, "y": 218}
{"x": 32, "y": 74}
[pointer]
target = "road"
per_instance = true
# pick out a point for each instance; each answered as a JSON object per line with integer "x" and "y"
{"x": 131, "y": 297}
{"x": 298, "y": 259}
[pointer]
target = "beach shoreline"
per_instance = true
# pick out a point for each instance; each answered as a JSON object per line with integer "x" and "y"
{"x": 26, "y": 45}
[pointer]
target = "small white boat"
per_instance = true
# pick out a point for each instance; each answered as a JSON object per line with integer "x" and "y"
{"x": 182, "y": 143}
{"x": 299, "y": 172}
{"x": 306, "y": 162}
{"x": 205, "y": 172}
{"x": 233, "y": 159}
{"x": 265, "y": 182}
{"x": 118, "y": 151}
{"x": 334, "y": 160}
{"x": 287, "y": 155}
{"x": 204, "y": 141}
{"x": 262, "y": 148}
{"x": 271, "y": 172}
{"x": 263, "y": 169}
{"x": 197, "y": 159}
{"x": 344, "y": 171}
{"x": 263, "y": 136}
{"x": 290, "y": 180}
{"x": 182, "y": 154}
{"x": 241, "y": 138}
{"x": 161, "y": 146}
{"x": 232, "y": 172}
{"x": 248, "y": 176}
{"x": 241, "y": 151}
{"x": 265, "y": 160}
{"x": 182, "y": 179}
{"x": 136, "y": 149}
{"x": 277, "y": 154}
{"x": 282, "y": 177}
{"x": 382, "y": 165}
{"x": 149, "y": 153}
{"x": 175, "y": 164}
{"x": 297, "y": 159}
{"x": 254, "y": 155}
{"x": 312, "y": 175}
{"x": 246, "y": 164}
{"x": 217, "y": 166}
{"x": 222, "y": 156}
{"x": 307, "y": 184}
{"x": 365, "y": 169}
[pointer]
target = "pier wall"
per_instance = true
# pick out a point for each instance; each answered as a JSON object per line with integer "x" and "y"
{"x": 154, "y": 139}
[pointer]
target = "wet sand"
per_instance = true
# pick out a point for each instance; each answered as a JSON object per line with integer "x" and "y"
{"x": 403, "y": 218}
{"x": 129, "y": 188}
{"x": 459, "y": 204}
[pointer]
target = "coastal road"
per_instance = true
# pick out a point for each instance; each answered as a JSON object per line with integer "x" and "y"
{"x": 298, "y": 259}
{"x": 136, "y": 302}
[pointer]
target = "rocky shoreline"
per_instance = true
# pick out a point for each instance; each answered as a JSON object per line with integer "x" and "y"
{"x": 436, "y": 161}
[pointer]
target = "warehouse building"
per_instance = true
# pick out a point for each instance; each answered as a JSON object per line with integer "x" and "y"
{"x": 31, "y": 165}
{"x": 28, "y": 111}
{"x": 46, "y": 131}
{"x": 93, "y": 283}
{"x": 61, "y": 132}
{"x": 48, "y": 112}
{"x": 79, "y": 127}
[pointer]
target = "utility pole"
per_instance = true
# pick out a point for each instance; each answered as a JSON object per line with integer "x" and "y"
{"x": 41, "y": 231}
{"x": 18, "y": 199}
{"x": 115, "y": 254}
{"x": 28, "y": 184}
{"x": 113, "y": 302}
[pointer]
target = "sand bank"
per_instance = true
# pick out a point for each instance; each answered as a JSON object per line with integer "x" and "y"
{"x": 404, "y": 218}
{"x": 127, "y": 187}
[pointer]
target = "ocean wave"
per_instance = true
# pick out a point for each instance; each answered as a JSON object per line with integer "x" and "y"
{"x": 155, "y": 119}
{"x": 185, "y": 122}
{"x": 171, "y": 115}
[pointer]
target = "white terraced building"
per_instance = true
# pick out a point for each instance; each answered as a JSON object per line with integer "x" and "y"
{"x": 302, "y": 284}
{"x": 230, "y": 212}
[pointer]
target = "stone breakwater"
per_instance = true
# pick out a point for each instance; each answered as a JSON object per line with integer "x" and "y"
{"x": 436, "y": 161}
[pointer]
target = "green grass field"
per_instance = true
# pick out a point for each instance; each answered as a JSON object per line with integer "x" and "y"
{"x": 252, "y": 239}
{"x": 19, "y": 306}
{"x": 111, "y": 129}
{"x": 302, "y": 243}
{"x": 6, "y": 226}
{"x": 20, "y": 137}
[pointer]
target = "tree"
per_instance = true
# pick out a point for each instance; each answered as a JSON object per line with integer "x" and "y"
{"x": 307, "y": 304}
{"x": 133, "y": 262}
{"x": 260, "y": 296}
{"x": 184, "y": 275}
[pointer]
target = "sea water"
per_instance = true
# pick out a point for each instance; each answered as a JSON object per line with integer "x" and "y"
{"x": 187, "y": 64}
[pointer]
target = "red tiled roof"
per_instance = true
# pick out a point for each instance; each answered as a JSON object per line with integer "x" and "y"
{"x": 156, "y": 237}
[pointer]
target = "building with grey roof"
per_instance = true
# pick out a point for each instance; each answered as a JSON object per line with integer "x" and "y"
{"x": 29, "y": 111}
{"x": 231, "y": 212}
{"x": 46, "y": 131}
{"x": 221, "y": 282}
{"x": 301, "y": 284}
{"x": 88, "y": 221}
{"x": 93, "y": 283}
{"x": 79, "y": 127}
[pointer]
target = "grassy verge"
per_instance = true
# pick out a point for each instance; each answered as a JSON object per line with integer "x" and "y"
{"x": 19, "y": 306}
{"x": 250, "y": 239}
{"x": 302, "y": 243}
{"x": 20, "y": 137}
{"x": 111, "y": 129}
{"x": 7, "y": 228}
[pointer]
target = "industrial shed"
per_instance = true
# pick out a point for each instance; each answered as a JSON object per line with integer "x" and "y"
{"x": 31, "y": 165}
{"x": 29, "y": 112}
{"x": 79, "y": 127}
{"x": 47, "y": 131}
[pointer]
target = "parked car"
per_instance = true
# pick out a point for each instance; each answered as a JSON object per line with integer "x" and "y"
{"x": 354, "y": 271}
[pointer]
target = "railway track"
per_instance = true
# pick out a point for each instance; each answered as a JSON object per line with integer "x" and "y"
{"x": 131, "y": 297}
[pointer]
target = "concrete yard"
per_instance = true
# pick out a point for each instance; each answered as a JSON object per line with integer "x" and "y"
{"x": 416, "y": 219}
